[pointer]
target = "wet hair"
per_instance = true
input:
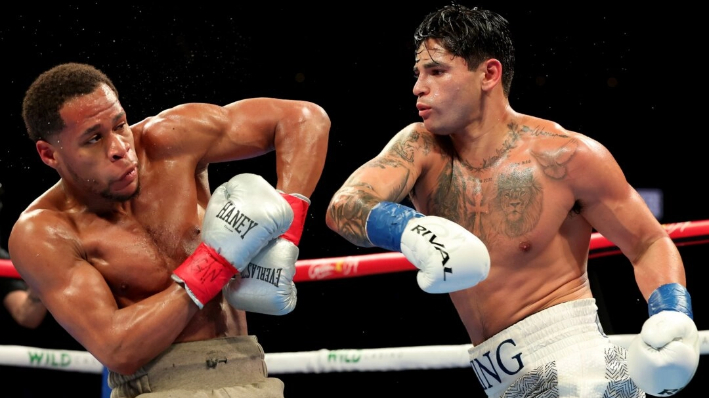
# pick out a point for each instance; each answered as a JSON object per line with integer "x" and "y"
{"x": 473, "y": 34}
{"x": 51, "y": 90}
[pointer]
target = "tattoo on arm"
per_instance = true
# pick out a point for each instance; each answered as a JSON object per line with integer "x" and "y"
{"x": 405, "y": 147}
{"x": 351, "y": 213}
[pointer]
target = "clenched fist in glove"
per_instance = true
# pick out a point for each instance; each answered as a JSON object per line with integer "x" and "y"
{"x": 242, "y": 216}
{"x": 663, "y": 358}
{"x": 267, "y": 286}
{"x": 449, "y": 257}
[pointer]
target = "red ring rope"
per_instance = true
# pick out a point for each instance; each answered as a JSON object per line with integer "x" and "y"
{"x": 682, "y": 233}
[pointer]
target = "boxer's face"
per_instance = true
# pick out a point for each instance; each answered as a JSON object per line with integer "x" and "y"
{"x": 448, "y": 94}
{"x": 95, "y": 151}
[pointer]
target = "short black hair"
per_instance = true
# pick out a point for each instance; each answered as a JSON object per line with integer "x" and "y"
{"x": 473, "y": 34}
{"x": 51, "y": 90}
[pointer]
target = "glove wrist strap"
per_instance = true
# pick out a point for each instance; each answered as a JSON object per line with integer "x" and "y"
{"x": 203, "y": 274}
{"x": 299, "y": 204}
{"x": 670, "y": 297}
{"x": 386, "y": 223}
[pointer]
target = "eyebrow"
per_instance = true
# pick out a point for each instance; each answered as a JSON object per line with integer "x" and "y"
{"x": 428, "y": 65}
{"x": 96, "y": 127}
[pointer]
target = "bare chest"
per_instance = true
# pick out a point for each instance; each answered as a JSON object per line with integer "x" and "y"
{"x": 514, "y": 207}
{"x": 136, "y": 253}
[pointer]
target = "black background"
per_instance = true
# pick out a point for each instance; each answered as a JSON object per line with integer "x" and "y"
{"x": 628, "y": 77}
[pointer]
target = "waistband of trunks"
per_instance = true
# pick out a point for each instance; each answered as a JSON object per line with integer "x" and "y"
{"x": 534, "y": 341}
{"x": 205, "y": 364}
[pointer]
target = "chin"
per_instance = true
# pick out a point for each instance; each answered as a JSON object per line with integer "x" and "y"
{"x": 122, "y": 196}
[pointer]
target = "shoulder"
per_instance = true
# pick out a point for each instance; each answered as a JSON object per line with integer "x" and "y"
{"x": 546, "y": 137}
{"x": 39, "y": 225}
{"x": 415, "y": 136}
{"x": 178, "y": 119}
{"x": 42, "y": 226}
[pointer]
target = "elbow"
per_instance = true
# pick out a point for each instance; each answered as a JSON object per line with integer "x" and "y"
{"x": 329, "y": 216}
{"x": 316, "y": 116}
{"x": 30, "y": 323}
{"x": 120, "y": 357}
{"x": 120, "y": 363}
{"x": 338, "y": 212}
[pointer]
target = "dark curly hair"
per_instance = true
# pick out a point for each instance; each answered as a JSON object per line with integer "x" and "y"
{"x": 472, "y": 34}
{"x": 51, "y": 90}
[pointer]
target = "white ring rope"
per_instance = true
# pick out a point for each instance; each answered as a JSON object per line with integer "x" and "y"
{"x": 347, "y": 360}
{"x": 320, "y": 361}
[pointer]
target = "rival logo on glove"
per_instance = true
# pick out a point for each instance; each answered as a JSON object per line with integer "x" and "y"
{"x": 255, "y": 271}
{"x": 423, "y": 231}
{"x": 236, "y": 221}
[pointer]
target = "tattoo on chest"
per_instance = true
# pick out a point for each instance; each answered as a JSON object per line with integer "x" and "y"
{"x": 501, "y": 153}
{"x": 501, "y": 198}
{"x": 517, "y": 202}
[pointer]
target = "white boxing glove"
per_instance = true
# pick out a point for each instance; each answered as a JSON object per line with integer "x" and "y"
{"x": 663, "y": 358}
{"x": 242, "y": 216}
{"x": 449, "y": 257}
{"x": 266, "y": 286}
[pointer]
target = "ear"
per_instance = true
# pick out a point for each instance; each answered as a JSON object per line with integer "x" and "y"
{"x": 46, "y": 153}
{"x": 493, "y": 74}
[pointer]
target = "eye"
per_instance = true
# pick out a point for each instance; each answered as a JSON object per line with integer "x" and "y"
{"x": 94, "y": 139}
{"x": 436, "y": 72}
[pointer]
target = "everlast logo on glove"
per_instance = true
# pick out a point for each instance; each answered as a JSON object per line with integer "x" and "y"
{"x": 238, "y": 221}
{"x": 423, "y": 231}
{"x": 255, "y": 271}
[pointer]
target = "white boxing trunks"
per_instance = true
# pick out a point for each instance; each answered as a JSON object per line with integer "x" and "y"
{"x": 561, "y": 351}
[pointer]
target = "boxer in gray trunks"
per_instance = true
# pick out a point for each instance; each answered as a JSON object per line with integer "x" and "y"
{"x": 135, "y": 255}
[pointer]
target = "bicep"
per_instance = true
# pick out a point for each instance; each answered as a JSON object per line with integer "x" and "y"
{"x": 613, "y": 207}
{"x": 249, "y": 127}
{"x": 210, "y": 133}
{"x": 71, "y": 288}
{"x": 391, "y": 174}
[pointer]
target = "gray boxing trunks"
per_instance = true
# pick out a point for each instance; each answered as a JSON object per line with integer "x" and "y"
{"x": 558, "y": 352}
{"x": 224, "y": 367}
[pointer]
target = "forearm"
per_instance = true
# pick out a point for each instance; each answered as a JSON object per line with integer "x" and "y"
{"x": 348, "y": 211}
{"x": 660, "y": 264}
{"x": 301, "y": 147}
{"x": 141, "y": 331}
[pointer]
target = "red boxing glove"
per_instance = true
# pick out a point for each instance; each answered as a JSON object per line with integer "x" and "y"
{"x": 299, "y": 204}
{"x": 242, "y": 216}
{"x": 203, "y": 274}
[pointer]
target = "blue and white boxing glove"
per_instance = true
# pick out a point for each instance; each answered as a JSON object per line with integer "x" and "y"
{"x": 449, "y": 257}
{"x": 663, "y": 358}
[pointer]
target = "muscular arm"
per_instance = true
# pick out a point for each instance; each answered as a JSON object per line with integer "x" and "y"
{"x": 25, "y": 307}
{"x": 619, "y": 213}
{"x": 389, "y": 176}
{"x": 297, "y": 131}
{"x": 49, "y": 259}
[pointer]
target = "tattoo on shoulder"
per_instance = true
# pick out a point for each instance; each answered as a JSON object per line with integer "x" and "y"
{"x": 406, "y": 147}
{"x": 383, "y": 163}
{"x": 554, "y": 161}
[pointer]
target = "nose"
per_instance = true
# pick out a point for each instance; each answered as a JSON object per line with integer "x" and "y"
{"x": 419, "y": 87}
{"x": 118, "y": 147}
